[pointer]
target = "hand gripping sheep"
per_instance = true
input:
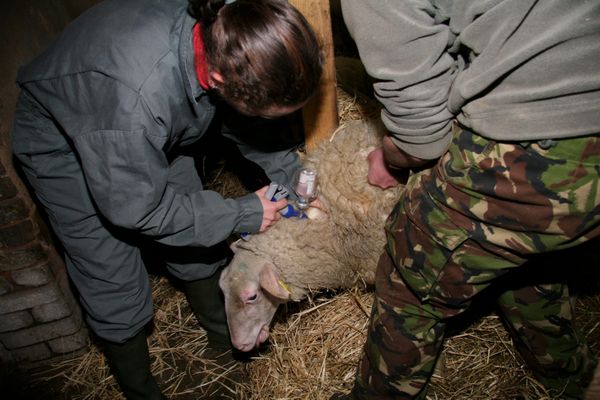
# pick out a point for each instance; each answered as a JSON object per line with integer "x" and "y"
{"x": 296, "y": 256}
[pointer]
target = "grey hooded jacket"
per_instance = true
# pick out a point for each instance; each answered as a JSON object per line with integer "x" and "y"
{"x": 511, "y": 70}
{"x": 119, "y": 89}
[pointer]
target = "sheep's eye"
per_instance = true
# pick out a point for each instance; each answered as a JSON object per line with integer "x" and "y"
{"x": 251, "y": 299}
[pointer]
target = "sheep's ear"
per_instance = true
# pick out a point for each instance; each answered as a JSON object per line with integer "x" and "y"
{"x": 271, "y": 282}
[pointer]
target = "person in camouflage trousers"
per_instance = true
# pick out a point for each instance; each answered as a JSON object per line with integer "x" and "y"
{"x": 497, "y": 105}
{"x": 482, "y": 211}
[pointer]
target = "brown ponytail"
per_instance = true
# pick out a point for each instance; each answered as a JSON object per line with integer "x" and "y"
{"x": 205, "y": 11}
{"x": 265, "y": 50}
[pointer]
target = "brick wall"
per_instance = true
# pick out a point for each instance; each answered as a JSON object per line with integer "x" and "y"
{"x": 40, "y": 320}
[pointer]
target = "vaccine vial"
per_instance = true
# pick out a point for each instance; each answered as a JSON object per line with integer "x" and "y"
{"x": 306, "y": 187}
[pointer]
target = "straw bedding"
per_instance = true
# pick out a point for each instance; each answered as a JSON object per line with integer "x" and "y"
{"x": 314, "y": 348}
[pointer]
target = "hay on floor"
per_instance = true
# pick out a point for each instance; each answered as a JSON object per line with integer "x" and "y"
{"x": 177, "y": 345}
{"x": 314, "y": 348}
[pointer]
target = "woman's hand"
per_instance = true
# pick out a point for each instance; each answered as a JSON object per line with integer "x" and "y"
{"x": 270, "y": 209}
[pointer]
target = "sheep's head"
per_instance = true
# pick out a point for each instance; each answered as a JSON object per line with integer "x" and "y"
{"x": 253, "y": 290}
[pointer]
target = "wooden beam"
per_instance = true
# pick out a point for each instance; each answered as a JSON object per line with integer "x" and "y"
{"x": 320, "y": 115}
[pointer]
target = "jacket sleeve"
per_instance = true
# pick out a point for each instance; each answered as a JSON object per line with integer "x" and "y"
{"x": 404, "y": 49}
{"x": 127, "y": 174}
{"x": 271, "y": 144}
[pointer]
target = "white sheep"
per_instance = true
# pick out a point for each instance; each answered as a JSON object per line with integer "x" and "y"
{"x": 300, "y": 255}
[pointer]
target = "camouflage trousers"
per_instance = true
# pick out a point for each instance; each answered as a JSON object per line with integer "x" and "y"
{"x": 484, "y": 212}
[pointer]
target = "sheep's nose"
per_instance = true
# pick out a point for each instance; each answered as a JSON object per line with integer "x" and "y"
{"x": 244, "y": 347}
{"x": 242, "y": 344}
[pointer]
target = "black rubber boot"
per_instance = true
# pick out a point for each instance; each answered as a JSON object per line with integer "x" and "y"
{"x": 130, "y": 364}
{"x": 206, "y": 300}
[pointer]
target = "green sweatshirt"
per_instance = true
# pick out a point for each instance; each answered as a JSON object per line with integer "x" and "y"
{"x": 510, "y": 70}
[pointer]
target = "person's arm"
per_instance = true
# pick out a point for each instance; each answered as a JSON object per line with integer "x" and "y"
{"x": 389, "y": 165}
{"x": 127, "y": 175}
{"x": 404, "y": 48}
{"x": 397, "y": 158}
{"x": 271, "y": 144}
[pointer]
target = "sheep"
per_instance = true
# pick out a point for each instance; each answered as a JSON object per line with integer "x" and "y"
{"x": 297, "y": 256}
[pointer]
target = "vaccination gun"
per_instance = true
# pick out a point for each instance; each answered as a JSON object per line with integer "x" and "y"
{"x": 277, "y": 192}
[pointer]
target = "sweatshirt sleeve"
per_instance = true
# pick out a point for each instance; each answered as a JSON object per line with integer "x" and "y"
{"x": 405, "y": 51}
{"x": 127, "y": 175}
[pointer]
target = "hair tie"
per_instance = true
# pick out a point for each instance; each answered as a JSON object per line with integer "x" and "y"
{"x": 229, "y": 2}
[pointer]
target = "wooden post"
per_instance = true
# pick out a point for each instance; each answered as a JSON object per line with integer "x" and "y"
{"x": 320, "y": 115}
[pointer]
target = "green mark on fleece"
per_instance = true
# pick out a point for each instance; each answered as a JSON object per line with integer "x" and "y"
{"x": 242, "y": 267}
